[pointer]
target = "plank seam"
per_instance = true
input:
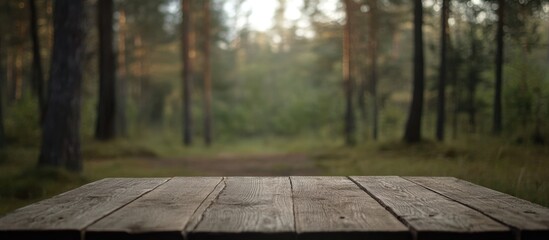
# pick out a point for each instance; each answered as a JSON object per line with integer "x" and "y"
{"x": 293, "y": 208}
{"x": 516, "y": 231}
{"x": 209, "y": 205}
{"x": 83, "y": 231}
{"x": 200, "y": 217}
{"x": 389, "y": 209}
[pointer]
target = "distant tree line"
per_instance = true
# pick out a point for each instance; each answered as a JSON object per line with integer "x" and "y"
{"x": 512, "y": 14}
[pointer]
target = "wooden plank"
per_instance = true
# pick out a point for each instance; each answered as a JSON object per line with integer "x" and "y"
{"x": 430, "y": 215}
{"x": 161, "y": 214}
{"x": 66, "y": 215}
{"x": 198, "y": 214}
{"x": 249, "y": 208}
{"x": 336, "y": 208}
{"x": 530, "y": 220}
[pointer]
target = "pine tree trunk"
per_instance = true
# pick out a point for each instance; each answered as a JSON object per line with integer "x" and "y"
{"x": 187, "y": 73}
{"x": 454, "y": 69}
{"x": 121, "y": 86}
{"x": 360, "y": 68}
{"x": 497, "y": 120}
{"x": 61, "y": 128}
{"x": 2, "y": 86}
{"x": 18, "y": 72}
{"x": 207, "y": 77}
{"x": 373, "y": 68}
{"x": 37, "y": 70}
{"x": 455, "y": 99}
{"x": 349, "y": 119}
{"x": 10, "y": 78}
{"x": 106, "y": 108}
{"x": 441, "y": 108}
{"x": 472, "y": 83}
{"x": 413, "y": 125}
{"x": 139, "y": 54}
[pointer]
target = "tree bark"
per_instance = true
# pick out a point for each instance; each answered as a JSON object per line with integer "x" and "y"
{"x": 497, "y": 118}
{"x": 373, "y": 69}
{"x": 17, "y": 87}
{"x": 139, "y": 72}
{"x": 441, "y": 108}
{"x": 121, "y": 87}
{"x": 207, "y": 77}
{"x": 472, "y": 83}
{"x": 106, "y": 108}
{"x": 2, "y": 86}
{"x": 61, "y": 128}
{"x": 413, "y": 125}
{"x": 187, "y": 73}
{"x": 455, "y": 98}
{"x": 37, "y": 70}
{"x": 349, "y": 118}
{"x": 10, "y": 78}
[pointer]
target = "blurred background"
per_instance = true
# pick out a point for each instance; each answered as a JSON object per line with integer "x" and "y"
{"x": 274, "y": 87}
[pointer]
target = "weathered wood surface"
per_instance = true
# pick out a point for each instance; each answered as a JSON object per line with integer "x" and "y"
{"x": 199, "y": 213}
{"x": 163, "y": 213}
{"x": 195, "y": 208}
{"x": 430, "y": 215}
{"x": 249, "y": 208}
{"x": 336, "y": 208}
{"x": 66, "y": 215}
{"x": 529, "y": 220}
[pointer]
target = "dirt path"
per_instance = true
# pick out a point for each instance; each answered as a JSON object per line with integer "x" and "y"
{"x": 251, "y": 165}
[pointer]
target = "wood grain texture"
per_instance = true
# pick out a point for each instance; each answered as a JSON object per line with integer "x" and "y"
{"x": 530, "y": 220}
{"x": 66, "y": 215}
{"x": 430, "y": 215}
{"x": 336, "y": 208}
{"x": 249, "y": 208}
{"x": 161, "y": 214}
{"x": 199, "y": 213}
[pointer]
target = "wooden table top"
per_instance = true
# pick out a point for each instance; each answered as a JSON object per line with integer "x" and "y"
{"x": 388, "y": 208}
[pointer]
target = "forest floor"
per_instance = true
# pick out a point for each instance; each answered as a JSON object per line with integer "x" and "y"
{"x": 287, "y": 164}
{"x": 520, "y": 170}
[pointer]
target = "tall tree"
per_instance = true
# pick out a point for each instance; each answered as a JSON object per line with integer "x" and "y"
{"x": 497, "y": 118}
{"x": 121, "y": 80}
{"x": 207, "y": 76}
{"x": 441, "y": 108}
{"x": 106, "y": 113}
{"x": 373, "y": 43}
{"x": 472, "y": 80}
{"x": 187, "y": 72}
{"x": 455, "y": 89}
{"x": 412, "y": 132}
{"x": 2, "y": 84}
{"x": 61, "y": 127}
{"x": 37, "y": 70}
{"x": 349, "y": 118}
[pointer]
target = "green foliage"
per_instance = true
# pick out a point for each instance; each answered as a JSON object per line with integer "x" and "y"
{"x": 527, "y": 91}
{"x": 35, "y": 183}
{"x": 25, "y": 184}
{"x": 501, "y": 165}
{"x": 22, "y": 123}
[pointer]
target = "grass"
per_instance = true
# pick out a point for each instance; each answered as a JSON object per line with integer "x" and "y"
{"x": 520, "y": 170}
